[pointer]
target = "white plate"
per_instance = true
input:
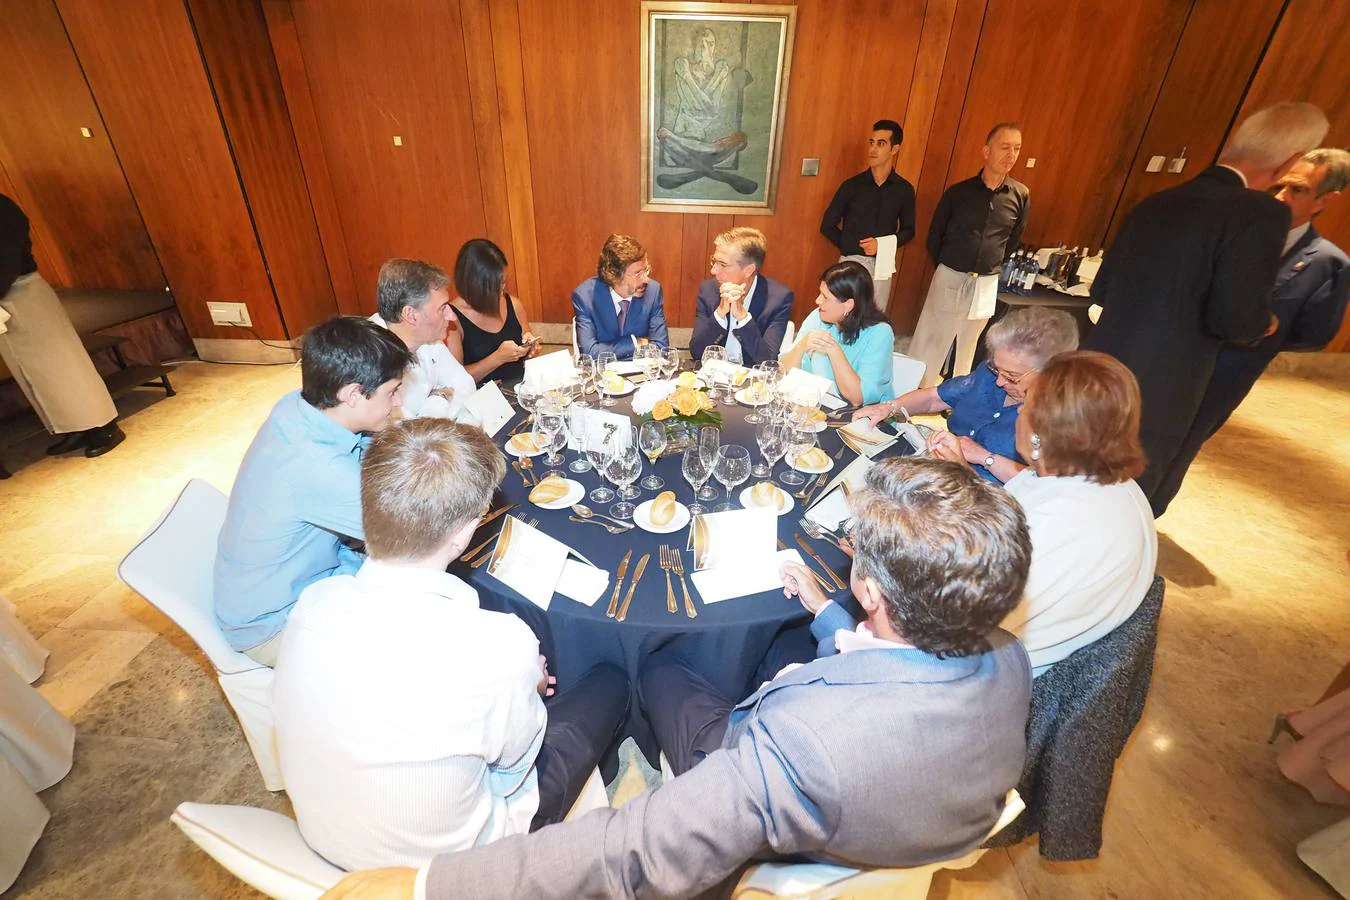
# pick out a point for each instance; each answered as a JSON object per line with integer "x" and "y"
{"x": 575, "y": 492}
{"x": 511, "y": 450}
{"x": 785, "y": 501}
{"x": 642, "y": 514}
{"x": 743, "y": 395}
{"x": 628, "y": 388}
{"x": 829, "y": 464}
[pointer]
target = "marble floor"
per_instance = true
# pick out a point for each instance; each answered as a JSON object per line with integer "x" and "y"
{"x": 1254, "y": 551}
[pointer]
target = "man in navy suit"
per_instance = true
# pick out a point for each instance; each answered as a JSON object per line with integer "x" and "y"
{"x": 1307, "y": 305}
{"x": 621, "y": 306}
{"x": 738, "y": 307}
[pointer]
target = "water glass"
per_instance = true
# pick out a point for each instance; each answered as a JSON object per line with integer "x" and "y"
{"x": 652, "y": 442}
{"x": 670, "y": 363}
{"x": 527, "y": 396}
{"x": 732, "y": 469}
{"x": 753, "y": 392}
{"x": 696, "y": 471}
{"x": 602, "y": 364}
{"x": 623, "y": 469}
{"x": 709, "y": 440}
{"x": 799, "y": 441}
{"x": 598, "y": 448}
{"x": 550, "y": 433}
{"x": 772, "y": 439}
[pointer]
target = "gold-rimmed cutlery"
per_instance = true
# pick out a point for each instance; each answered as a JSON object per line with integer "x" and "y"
{"x": 515, "y": 464}
{"x": 825, "y": 586}
{"x": 824, "y": 565}
{"x": 666, "y": 566}
{"x": 618, "y": 583}
{"x": 528, "y": 465}
{"x": 677, "y": 562}
{"x": 632, "y": 586}
{"x": 503, "y": 542}
{"x": 612, "y": 529}
{"x": 470, "y": 554}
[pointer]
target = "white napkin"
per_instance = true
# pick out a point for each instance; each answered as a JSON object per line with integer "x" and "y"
{"x": 582, "y": 582}
{"x": 624, "y": 367}
{"x": 491, "y": 408}
{"x": 739, "y": 557}
{"x": 985, "y": 297}
{"x": 745, "y": 579}
{"x": 550, "y": 370}
{"x": 885, "y": 266}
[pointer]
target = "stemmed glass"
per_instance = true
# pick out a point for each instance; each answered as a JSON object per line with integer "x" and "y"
{"x": 602, "y": 364}
{"x": 754, "y": 391}
{"x": 575, "y": 424}
{"x": 709, "y": 440}
{"x": 550, "y": 433}
{"x": 652, "y": 442}
{"x": 598, "y": 448}
{"x": 670, "y": 363}
{"x": 732, "y": 469}
{"x": 527, "y": 396}
{"x": 799, "y": 441}
{"x": 648, "y": 358}
{"x": 696, "y": 470}
{"x": 772, "y": 439}
{"x": 623, "y": 469}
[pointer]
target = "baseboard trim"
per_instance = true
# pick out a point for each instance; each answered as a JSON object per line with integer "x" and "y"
{"x": 254, "y": 352}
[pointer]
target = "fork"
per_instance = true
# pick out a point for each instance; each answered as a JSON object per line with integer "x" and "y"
{"x": 810, "y": 486}
{"x": 533, "y": 523}
{"x": 666, "y": 566}
{"x": 528, "y": 465}
{"x": 819, "y": 532}
{"x": 677, "y": 563}
{"x": 612, "y": 529}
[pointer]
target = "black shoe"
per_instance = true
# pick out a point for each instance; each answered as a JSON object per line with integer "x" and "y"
{"x": 101, "y": 440}
{"x": 75, "y": 440}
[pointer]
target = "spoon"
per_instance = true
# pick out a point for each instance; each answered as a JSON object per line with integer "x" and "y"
{"x": 612, "y": 529}
{"x": 585, "y": 512}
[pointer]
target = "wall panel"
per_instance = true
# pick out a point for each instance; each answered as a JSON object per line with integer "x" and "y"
{"x": 71, "y": 187}
{"x": 145, "y": 70}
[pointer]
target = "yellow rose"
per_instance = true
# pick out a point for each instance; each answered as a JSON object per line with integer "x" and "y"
{"x": 662, "y": 410}
{"x": 687, "y": 403}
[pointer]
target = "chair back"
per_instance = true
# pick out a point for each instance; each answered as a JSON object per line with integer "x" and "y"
{"x": 788, "y": 336}
{"x": 173, "y": 564}
{"x": 906, "y": 373}
{"x": 260, "y": 847}
{"x": 1083, "y": 711}
{"x": 576, "y": 351}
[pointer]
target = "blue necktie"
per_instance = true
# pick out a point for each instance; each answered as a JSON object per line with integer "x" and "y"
{"x": 623, "y": 313}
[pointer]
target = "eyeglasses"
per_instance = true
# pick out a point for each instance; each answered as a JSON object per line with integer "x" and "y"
{"x": 1005, "y": 374}
{"x": 721, "y": 266}
{"x": 643, "y": 273}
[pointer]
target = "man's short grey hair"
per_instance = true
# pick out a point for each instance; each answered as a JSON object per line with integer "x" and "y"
{"x": 1036, "y": 332}
{"x": 1270, "y": 137}
{"x": 406, "y": 282}
{"x": 1337, "y": 161}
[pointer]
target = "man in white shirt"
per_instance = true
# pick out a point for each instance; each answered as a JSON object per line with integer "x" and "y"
{"x": 409, "y": 721}
{"x": 739, "y": 307}
{"x": 413, "y": 301}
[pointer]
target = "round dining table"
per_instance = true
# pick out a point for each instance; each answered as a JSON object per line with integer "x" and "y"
{"x": 725, "y": 642}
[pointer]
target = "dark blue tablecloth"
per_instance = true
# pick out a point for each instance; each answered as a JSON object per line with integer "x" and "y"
{"x": 727, "y": 640}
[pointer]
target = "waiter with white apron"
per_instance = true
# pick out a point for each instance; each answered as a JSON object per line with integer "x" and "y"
{"x": 43, "y": 352}
{"x": 978, "y": 222}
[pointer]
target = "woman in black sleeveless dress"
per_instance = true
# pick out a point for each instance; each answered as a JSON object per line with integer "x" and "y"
{"x": 493, "y": 339}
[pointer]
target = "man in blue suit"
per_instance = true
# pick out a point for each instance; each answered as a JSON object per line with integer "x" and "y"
{"x": 621, "y": 306}
{"x": 738, "y": 307}
{"x": 1306, "y": 307}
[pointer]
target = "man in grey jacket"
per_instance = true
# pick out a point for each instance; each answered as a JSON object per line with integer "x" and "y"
{"x": 898, "y": 751}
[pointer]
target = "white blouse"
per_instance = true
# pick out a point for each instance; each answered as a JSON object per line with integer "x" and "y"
{"x": 1094, "y": 549}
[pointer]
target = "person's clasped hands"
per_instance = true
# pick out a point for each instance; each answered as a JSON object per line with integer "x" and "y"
{"x": 732, "y": 301}
{"x": 798, "y": 582}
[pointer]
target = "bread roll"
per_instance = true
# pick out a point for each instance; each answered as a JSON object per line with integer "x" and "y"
{"x": 614, "y": 382}
{"x": 524, "y": 443}
{"x": 550, "y": 490}
{"x": 663, "y": 508}
{"x": 815, "y": 458}
{"x": 766, "y": 494}
{"x": 816, "y": 417}
{"x": 687, "y": 379}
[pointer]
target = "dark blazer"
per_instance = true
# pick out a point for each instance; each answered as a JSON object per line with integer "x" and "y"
{"x": 1190, "y": 269}
{"x": 598, "y": 324}
{"x": 770, "y": 310}
{"x": 869, "y": 758}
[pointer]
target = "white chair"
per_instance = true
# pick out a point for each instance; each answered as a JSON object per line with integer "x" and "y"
{"x": 788, "y": 336}
{"x": 906, "y": 373}
{"x": 818, "y": 881}
{"x": 576, "y": 353}
{"x": 266, "y": 850}
{"x": 172, "y": 567}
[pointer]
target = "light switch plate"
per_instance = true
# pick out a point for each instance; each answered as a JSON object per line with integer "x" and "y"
{"x": 1176, "y": 165}
{"x": 398, "y": 140}
{"x": 1031, "y": 162}
{"x": 85, "y": 132}
{"x": 229, "y": 314}
{"x": 1155, "y": 164}
{"x": 810, "y": 166}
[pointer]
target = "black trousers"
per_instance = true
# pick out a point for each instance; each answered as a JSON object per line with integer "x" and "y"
{"x": 689, "y": 716}
{"x": 583, "y": 722}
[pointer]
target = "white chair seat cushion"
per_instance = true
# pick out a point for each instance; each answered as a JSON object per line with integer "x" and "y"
{"x": 260, "y": 847}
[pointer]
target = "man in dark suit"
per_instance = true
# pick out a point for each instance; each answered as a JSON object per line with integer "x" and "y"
{"x": 1308, "y": 302}
{"x": 1191, "y": 268}
{"x": 897, "y": 751}
{"x": 738, "y": 307}
{"x": 621, "y": 306}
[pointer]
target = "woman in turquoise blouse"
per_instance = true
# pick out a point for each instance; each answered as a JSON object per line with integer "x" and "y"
{"x": 847, "y": 339}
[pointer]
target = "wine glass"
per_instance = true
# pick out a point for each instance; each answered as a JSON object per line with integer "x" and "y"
{"x": 696, "y": 471}
{"x": 648, "y": 358}
{"x": 754, "y": 393}
{"x": 670, "y": 363}
{"x": 623, "y": 469}
{"x": 652, "y": 441}
{"x": 527, "y": 395}
{"x": 602, "y": 364}
{"x": 598, "y": 447}
{"x": 550, "y": 433}
{"x": 709, "y": 440}
{"x": 772, "y": 439}
{"x": 798, "y": 442}
{"x": 732, "y": 469}
{"x": 714, "y": 353}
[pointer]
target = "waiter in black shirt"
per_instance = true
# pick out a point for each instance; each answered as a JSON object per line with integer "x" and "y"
{"x": 978, "y": 222}
{"x": 873, "y": 204}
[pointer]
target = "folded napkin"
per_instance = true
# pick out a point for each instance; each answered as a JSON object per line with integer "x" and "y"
{"x": 748, "y": 577}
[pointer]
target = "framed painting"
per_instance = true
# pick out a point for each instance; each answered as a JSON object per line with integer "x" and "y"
{"x": 714, "y": 95}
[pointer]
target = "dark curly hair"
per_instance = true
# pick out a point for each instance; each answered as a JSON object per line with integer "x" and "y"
{"x": 948, "y": 550}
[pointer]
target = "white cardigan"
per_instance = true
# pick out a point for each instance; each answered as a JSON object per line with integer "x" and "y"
{"x": 1094, "y": 548}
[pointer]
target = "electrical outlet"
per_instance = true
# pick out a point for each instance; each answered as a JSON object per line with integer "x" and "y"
{"x": 229, "y": 314}
{"x": 1031, "y": 163}
{"x": 810, "y": 166}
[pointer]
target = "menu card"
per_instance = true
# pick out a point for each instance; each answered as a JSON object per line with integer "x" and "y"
{"x": 862, "y": 437}
{"x": 535, "y": 565}
{"x": 584, "y": 421}
{"x": 831, "y": 509}
{"x": 734, "y": 554}
{"x": 550, "y": 370}
{"x": 491, "y": 407}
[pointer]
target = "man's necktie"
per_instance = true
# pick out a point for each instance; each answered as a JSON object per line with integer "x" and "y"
{"x": 623, "y": 312}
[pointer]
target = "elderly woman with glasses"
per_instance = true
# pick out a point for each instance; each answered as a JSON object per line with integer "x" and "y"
{"x": 984, "y": 404}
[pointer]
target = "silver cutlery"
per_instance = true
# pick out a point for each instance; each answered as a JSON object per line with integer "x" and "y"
{"x": 632, "y": 587}
{"x": 825, "y": 586}
{"x": 809, "y": 488}
{"x": 528, "y": 465}
{"x": 618, "y": 583}
{"x": 515, "y": 464}
{"x": 819, "y": 532}
{"x": 666, "y": 566}
{"x": 586, "y": 512}
{"x": 612, "y": 529}
{"x": 801, "y": 541}
{"x": 677, "y": 562}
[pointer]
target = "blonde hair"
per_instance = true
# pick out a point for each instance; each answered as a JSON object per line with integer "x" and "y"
{"x": 421, "y": 480}
{"x": 747, "y": 242}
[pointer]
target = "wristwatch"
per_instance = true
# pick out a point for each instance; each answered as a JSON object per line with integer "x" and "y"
{"x": 989, "y": 461}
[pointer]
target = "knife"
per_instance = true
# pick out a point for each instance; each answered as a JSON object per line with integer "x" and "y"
{"x": 825, "y": 586}
{"x": 470, "y": 554}
{"x": 807, "y": 547}
{"x": 637, "y": 576}
{"x": 618, "y": 583}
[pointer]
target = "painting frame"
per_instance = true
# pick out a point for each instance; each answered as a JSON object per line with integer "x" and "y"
{"x": 688, "y": 164}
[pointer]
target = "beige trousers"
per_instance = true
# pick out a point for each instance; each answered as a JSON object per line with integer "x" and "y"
{"x": 881, "y": 290}
{"x": 946, "y": 320}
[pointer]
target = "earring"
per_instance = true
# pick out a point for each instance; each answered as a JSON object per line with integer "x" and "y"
{"x": 1035, "y": 447}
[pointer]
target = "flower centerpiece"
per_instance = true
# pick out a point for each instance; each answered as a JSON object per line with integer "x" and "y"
{"x": 683, "y": 404}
